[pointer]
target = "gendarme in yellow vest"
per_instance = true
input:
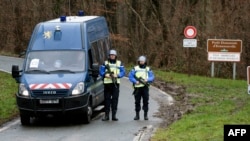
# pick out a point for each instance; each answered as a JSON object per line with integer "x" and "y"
{"x": 141, "y": 72}
{"x": 113, "y": 68}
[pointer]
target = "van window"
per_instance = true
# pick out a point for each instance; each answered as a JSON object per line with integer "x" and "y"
{"x": 106, "y": 47}
{"x": 49, "y": 61}
{"x": 100, "y": 50}
{"x": 95, "y": 53}
{"x": 90, "y": 60}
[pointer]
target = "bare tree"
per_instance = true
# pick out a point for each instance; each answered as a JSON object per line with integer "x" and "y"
{"x": 142, "y": 27}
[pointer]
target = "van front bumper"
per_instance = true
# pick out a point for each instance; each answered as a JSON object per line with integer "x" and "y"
{"x": 47, "y": 105}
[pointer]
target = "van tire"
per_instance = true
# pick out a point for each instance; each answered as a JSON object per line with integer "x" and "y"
{"x": 87, "y": 115}
{"x": 25, "y": 119}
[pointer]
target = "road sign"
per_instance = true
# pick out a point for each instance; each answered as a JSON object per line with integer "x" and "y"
{"x": 223, "y": 56}
{"x": 190, "y": 32}
{"x": 248, "y": 78}
{"x": 189, "y": 42}
{"x": 224, "y": 50}
{"x": 224, "y": 45}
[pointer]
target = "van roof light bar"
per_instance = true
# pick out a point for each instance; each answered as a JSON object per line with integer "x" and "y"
{"x": 63, "y": 18}
{"x": 81, "y": 13}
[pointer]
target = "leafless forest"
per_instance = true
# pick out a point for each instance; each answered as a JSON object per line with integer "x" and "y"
{"x": 143, "y": 27}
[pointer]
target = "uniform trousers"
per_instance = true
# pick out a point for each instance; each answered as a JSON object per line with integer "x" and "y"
{"x": 111, "y": 96}
{"x": 141, "y": 93}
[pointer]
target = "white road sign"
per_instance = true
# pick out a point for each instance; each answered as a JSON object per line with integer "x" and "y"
{"x": 189, "y": 42}
{"x": 223, "y": 56}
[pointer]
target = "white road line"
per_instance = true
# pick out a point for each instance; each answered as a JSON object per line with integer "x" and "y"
{"x": 9, "y": 124}
{"x": 5, "y": 71}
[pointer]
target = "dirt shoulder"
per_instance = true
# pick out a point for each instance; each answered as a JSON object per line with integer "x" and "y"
{"x": 170, "y": 113}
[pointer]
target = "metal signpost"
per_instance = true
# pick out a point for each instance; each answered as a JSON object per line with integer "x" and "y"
{"x": 248, "y": 79}
{"x": 189, "y": 32}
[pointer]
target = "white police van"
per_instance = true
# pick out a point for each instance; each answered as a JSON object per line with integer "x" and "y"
{"x": 60, "y": 73}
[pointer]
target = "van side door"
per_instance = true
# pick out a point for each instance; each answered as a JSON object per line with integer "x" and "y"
{"x": 97, "y": 87}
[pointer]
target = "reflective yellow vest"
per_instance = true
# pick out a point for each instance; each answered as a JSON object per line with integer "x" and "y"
{"x": 141, "y": 72}
{"x": 115, "y": 68}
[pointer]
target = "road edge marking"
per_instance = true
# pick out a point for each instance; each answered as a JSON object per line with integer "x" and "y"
{"x": 9, "y": 124}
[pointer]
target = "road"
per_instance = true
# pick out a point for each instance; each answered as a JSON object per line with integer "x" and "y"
{"x": 126, "y": 129}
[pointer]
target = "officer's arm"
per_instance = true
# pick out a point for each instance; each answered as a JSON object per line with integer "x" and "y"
{"x": 131, "y": 76}
{"x": 151, "y": 76}
{"x": 122, "y": 71}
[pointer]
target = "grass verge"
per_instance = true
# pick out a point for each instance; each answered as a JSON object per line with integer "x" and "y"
{"x": 8, "y": 107}
{"x": 218, "y": 102}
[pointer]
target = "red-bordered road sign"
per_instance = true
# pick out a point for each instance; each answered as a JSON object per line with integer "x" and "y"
{"x": 190, "y": 32}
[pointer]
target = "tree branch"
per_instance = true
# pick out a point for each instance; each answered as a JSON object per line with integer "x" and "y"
{"x": 139, "y": 17}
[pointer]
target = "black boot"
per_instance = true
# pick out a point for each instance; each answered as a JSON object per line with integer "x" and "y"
{"x": 114, "y": 118}
{"x": 106, "y": 117}
{"x": 137, "y": 116}
{"x": 145, "y": 115}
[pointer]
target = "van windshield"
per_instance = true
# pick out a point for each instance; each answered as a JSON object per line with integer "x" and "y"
{"x": 55, "y": 61}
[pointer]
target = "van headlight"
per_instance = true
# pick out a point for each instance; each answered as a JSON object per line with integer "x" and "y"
{"x": 79, "y": 89}
{"x": 22, "y": 90}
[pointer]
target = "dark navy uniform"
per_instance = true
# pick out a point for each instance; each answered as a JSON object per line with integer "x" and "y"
{"x": 111, "y": 87}
{"x": 141, "y": 76}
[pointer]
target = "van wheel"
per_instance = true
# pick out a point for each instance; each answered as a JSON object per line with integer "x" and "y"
{"x": 87, "y": 115}
{"x": 25, "y": 119}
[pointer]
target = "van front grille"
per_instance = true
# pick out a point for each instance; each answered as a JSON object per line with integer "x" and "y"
{"x": 50, "y": 92}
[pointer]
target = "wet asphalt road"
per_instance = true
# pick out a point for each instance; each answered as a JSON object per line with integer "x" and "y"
{"x": 57, "y": 129}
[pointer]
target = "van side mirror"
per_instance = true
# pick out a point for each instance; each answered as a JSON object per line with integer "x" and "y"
{"x": 95, "y": 70}
{"x": 15, "y": 71}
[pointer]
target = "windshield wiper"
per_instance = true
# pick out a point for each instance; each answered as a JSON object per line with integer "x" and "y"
{"x": 37, "y": 71}
{"x": 63, "y": 71}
